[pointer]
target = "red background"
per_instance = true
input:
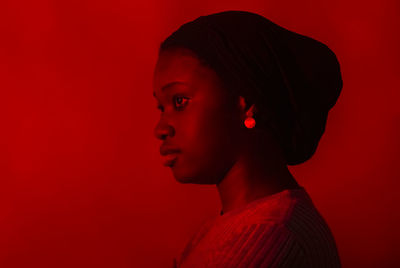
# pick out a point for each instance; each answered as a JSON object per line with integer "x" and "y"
{"x": 82, "y": 183}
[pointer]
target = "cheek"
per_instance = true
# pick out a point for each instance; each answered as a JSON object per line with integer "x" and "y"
{"x": 209, "y": 138}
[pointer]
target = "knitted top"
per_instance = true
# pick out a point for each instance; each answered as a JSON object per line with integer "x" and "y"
{"x": 280, "y": 230}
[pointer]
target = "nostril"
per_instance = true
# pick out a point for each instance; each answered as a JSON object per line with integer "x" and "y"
{"x": 161, "y": 132}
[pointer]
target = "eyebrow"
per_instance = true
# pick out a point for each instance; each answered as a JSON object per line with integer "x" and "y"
{"x": 168, "y": 85}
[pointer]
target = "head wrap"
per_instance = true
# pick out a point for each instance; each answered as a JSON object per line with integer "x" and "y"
{"x": 292, "y": 79}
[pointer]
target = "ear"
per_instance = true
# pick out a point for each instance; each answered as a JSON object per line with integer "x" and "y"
{"x": 242, "y": 105}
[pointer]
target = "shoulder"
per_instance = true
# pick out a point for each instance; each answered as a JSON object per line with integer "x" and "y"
{"x": 266, "y": 244}
{"x": 283, "y": 231}
{"x": 271, "y": 244}
{"x": 286, "y": 231}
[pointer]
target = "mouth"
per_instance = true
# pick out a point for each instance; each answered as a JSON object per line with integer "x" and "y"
{"x": 170, "y": 159}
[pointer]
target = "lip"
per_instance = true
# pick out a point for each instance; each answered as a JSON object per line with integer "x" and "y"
{"x": 170, "y": 159}
{"x": 164, "y": 150}
{"x": 169, "y": 154}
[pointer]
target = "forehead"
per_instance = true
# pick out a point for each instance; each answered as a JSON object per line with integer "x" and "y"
{"x": 181, "y": 65}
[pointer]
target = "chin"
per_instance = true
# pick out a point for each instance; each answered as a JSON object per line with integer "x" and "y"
{"x": 182, "y": 177}
{"x": 186, "y": 176}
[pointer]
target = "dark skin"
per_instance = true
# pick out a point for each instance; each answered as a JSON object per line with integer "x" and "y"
{"x": 206, "y": 123}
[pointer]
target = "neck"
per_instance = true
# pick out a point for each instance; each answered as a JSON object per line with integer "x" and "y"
{"x": 253, "y": 176}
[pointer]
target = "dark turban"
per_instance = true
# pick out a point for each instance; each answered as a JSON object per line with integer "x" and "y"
{"x": 292, "y": 79}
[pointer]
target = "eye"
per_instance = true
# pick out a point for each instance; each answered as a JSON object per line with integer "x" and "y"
{"x": 180, "y": 101}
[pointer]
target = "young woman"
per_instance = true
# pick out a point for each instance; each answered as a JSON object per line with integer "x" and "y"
{"x": 241, "y": 98}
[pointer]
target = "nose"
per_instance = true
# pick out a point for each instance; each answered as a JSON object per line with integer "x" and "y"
{"x": 163, "y": 129}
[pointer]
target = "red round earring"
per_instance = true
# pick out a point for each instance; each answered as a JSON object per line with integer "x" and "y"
{"x": 250, "y": 122}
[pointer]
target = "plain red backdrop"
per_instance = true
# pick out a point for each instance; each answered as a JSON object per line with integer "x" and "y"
{"x": 81, "y": 180}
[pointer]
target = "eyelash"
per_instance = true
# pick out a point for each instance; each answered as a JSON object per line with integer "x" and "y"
{"x": 183, "y": 105}
{"x": 174, "y": 102}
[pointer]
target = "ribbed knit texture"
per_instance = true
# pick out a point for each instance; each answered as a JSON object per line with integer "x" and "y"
{"x": 281, "y": 230}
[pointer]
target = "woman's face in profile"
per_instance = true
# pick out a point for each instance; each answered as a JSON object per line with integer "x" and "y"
{"x": 199, "y": 123}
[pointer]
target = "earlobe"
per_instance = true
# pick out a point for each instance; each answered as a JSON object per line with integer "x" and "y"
{"x": 242, "y": 105}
